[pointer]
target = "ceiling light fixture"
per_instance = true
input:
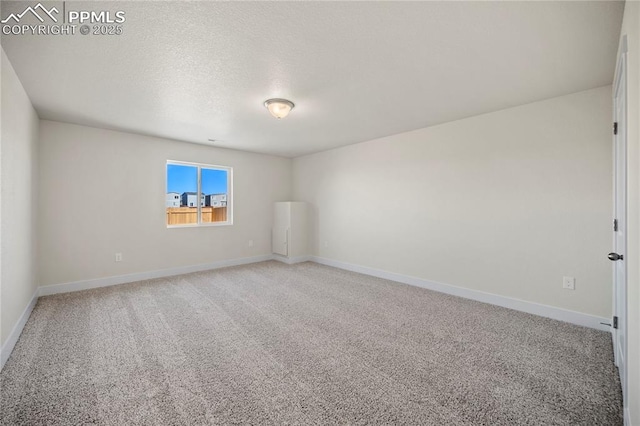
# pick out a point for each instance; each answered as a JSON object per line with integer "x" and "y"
{"x": 279, "y": 108}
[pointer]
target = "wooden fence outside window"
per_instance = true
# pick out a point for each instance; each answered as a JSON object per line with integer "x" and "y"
{"x": 189, "y": 215}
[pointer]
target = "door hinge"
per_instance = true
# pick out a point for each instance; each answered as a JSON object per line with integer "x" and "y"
{"x": 615, "y": 128}
{"x": 615, "y": 225}
{"x": 615, "y": 322}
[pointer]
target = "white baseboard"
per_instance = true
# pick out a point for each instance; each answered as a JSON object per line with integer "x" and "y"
{"x": 560, "y": 314}
{"x": 7, "y": 348}
{"x": 140, "y": 276}
{"x": 292, "y": 260}
{"x": 573, "y": 317}
{"x": 507, "y": 302}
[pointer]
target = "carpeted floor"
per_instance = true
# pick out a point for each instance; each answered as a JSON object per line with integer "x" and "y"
{"x": 306, "y": 344}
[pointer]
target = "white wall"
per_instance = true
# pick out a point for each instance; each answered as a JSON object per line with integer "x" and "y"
{"x": 103, "y": 192}
{"x": 19, "y": 202}
{"x": 631, "y": 28}
{"x": 505, "y": 203}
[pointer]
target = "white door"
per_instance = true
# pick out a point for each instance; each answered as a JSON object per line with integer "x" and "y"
{"x": 280, "y": 240}
{"x": 281, "y": 228}
{"x": 618, "y": 256}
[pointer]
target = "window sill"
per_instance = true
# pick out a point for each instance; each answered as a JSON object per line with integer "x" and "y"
{"x": 200, "y": 225}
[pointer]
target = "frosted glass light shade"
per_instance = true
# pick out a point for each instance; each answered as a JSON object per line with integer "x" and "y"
{"x": 279, "y": 108}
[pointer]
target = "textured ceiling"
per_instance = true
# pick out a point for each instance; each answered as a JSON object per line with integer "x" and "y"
{"x": 356, "y": 71}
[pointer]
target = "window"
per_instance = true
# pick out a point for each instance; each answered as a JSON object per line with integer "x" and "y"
{"x": 202, "y": 194}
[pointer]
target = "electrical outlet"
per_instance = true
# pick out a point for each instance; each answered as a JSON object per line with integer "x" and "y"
{"x": 569, "y": 283}
{"x": 250, "y": 243}
{"x": 118, "y": 257}
{"x": 326, "y": 244}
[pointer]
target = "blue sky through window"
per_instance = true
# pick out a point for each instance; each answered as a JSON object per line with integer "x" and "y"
{"x": 181, "y": 178}
{"x": 214, "y": 181}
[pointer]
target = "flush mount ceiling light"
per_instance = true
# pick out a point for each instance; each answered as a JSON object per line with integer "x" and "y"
{"x": 279, "y": 108}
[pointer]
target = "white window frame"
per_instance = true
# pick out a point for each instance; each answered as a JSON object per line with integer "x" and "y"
{"x": 199, "y": 167}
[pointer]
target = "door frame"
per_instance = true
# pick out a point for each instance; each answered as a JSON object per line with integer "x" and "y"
{"x": 619, "y": 307}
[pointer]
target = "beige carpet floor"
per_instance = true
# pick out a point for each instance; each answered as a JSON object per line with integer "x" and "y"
{"x": 306, "y": 344}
